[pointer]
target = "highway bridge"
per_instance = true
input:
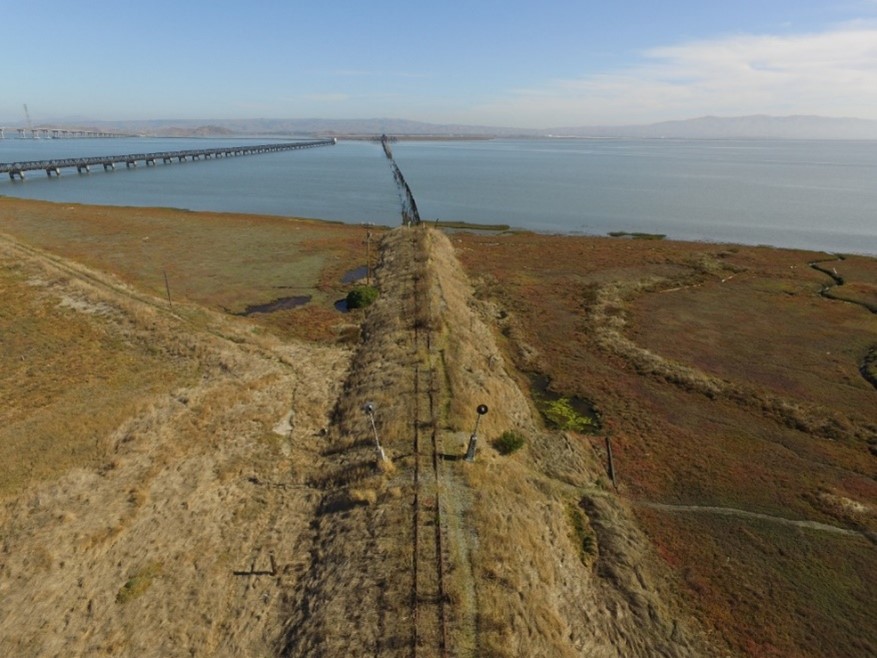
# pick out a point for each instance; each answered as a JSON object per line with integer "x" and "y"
{"x": 59, "y": 133}
{"x": 108, "y": 162}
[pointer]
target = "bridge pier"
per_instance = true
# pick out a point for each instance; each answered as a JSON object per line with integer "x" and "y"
{"x": 130, "y": 163}
{"x": 53, "y": 170}
{"x": 14, "y": 173}
{"x": 80, "y": 168}
{"x": 109, "y": 165}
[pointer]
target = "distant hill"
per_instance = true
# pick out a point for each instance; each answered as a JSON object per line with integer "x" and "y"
{"x": 709, "y": 127}
{"x": 311, "y": 126}
{"x": 753, "y": 127}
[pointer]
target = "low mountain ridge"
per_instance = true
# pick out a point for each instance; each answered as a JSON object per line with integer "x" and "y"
{"x": 707, "y": 127}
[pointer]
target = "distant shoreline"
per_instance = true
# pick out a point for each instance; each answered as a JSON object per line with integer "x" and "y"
{"x": 499, "y": 230}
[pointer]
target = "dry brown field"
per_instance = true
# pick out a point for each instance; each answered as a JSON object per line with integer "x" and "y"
{"x": 223, "y": 261}
{"x": 178, "y": 478}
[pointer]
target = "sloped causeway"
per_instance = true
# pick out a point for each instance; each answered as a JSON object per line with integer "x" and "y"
{"x": 422, "y": 553}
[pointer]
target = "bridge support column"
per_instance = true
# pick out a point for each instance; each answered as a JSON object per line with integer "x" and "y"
{"x": 130, "y": 163}
{"x": 109, "y": 165}
{"x": 53, "y": 170}
{"x": 81, "y": 168}
{"x": 13, "y": 174}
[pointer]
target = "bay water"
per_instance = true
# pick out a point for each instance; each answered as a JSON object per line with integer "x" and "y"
{"x": 811, "y": 194}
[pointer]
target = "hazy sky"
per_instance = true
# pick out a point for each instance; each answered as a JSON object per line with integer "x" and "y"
{"x": 532, "y": 64}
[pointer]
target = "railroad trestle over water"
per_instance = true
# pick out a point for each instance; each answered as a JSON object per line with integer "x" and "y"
{"x": 83, "y": 164}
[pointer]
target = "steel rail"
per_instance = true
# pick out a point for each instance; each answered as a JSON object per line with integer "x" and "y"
{"x": 429, "y": 600}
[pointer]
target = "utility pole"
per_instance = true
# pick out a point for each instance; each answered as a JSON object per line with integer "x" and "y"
{"x": 29, "y": 124}
{"x": 368, "y": 260}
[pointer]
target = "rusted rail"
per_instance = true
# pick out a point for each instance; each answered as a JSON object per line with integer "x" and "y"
{"x": 429, "y": 599}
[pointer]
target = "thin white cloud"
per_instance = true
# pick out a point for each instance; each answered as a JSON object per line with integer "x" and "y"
{"x": 330, "y": 97}
{"x": 832, "y": 73}
{"x": 362, "y": 73}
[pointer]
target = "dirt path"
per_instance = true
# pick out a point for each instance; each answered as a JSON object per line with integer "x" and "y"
{"x": 732, "y": 511}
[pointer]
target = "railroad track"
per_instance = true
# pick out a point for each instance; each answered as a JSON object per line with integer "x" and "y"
{"x": 429, "y": 601}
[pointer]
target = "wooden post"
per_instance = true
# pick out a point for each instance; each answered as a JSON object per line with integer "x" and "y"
{"x": 167, "y": 288}
{"x": 611, "y": 463}
{"x": 368, "y": 260}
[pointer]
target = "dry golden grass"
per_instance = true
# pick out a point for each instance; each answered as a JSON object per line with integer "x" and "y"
{"x": 136, "y": 437}
{"x": 68, "y": 381}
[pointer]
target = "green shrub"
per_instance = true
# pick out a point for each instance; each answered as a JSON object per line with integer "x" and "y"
{"x": 561, "y": 414}
{"x": 509, "y": 442}
{"x": 361, "y": 296}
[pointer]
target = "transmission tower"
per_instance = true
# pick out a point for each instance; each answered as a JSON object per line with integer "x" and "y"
{"x": 29, "y": 124}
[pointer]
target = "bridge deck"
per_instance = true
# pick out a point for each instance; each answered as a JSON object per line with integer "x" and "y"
{"x": 131, "y": 159}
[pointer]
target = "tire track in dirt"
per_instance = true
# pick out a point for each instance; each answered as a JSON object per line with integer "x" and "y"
{"x": 745, "y": 514}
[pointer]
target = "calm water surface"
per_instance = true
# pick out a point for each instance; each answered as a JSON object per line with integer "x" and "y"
{"x": 811, "y": 194}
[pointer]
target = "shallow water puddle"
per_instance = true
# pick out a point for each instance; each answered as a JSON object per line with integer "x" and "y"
{"x": 280, "y": 304}
{"x": 355, "y": 274}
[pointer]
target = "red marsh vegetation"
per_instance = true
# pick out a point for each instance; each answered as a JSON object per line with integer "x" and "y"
{"x": 727, "y": 377}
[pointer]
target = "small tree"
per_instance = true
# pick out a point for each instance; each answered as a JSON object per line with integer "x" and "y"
{"x": 361, "y": 296}
{"x": 509, "y": 442}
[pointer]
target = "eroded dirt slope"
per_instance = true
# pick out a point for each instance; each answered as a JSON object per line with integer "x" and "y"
{"x": 145, "y": 547}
